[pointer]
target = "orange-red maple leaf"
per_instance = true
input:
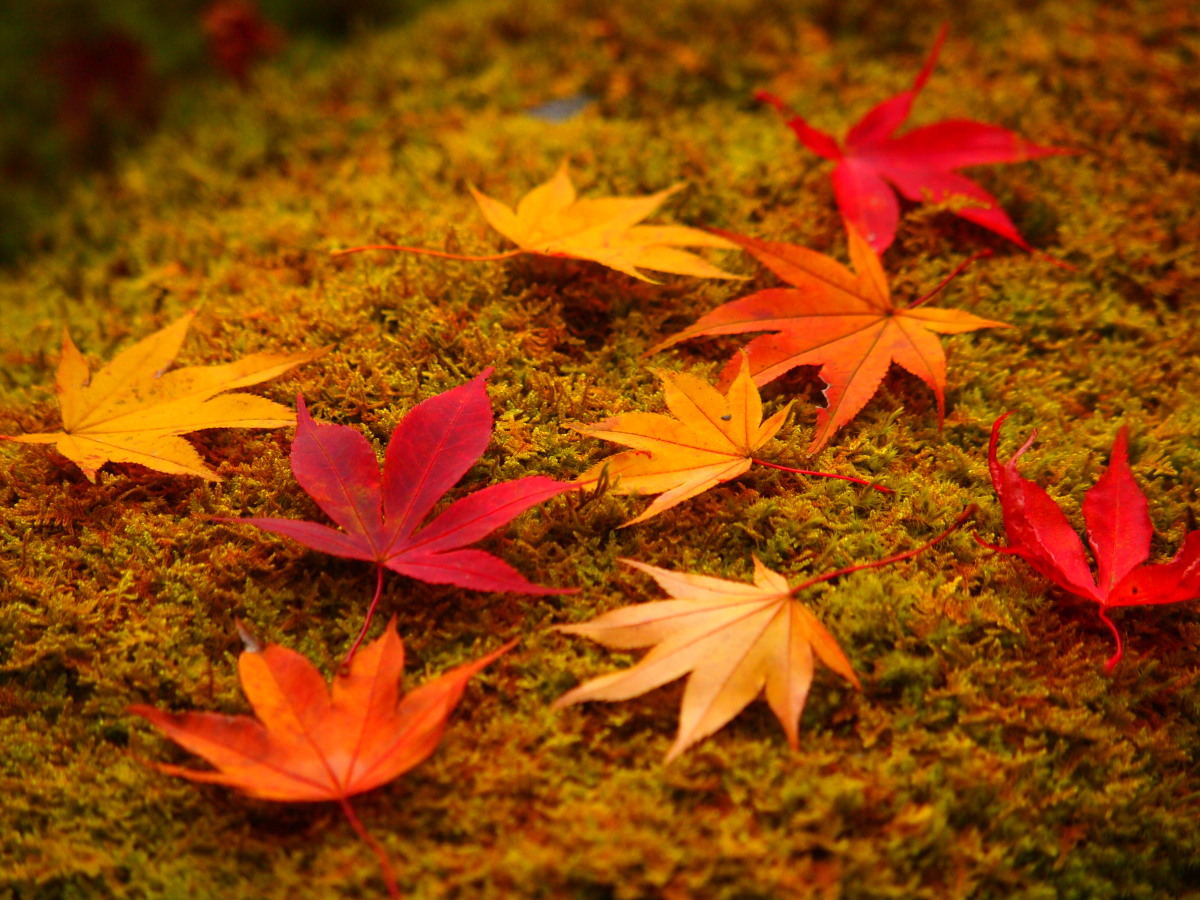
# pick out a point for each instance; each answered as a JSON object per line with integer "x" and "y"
{"x": 842, "y": 321}
{"x": 309, "y": 744}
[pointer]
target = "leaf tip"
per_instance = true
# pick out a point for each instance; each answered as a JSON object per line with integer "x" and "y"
{"x": 1120, "y": 446}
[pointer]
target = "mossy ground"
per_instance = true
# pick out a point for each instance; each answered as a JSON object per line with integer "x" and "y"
{"x": 988, "y": 754}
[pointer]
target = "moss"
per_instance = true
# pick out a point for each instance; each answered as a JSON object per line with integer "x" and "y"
{"x": 987, "y": 755}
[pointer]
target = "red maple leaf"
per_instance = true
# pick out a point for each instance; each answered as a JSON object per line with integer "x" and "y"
{"x": 239, "y": 35}
{"x": 1117, "y": 517}
{"x": 919, "y": 164}
{"x": 430, "y": 450}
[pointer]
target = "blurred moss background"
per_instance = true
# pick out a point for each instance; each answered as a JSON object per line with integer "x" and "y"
{"x": 85, "y": 80}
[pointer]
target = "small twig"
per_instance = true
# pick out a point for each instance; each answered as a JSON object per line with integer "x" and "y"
{"x": 426, "y": 252}
{"x": 1055, "y": 261}
{"x": 863, "y": 482}
{"x": 966, "y": 514}
{"x": 982, "y": 254}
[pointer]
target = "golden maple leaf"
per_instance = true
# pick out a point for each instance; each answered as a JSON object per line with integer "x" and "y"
{"x": 550, "y": 220}
{"x": 711, "y": 439}
{"x": 132, "y": 410}
{"x": 735, "y": 639}
{"x": 845, "y": 322}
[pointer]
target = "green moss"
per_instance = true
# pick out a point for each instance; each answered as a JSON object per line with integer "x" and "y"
{"x": 987, "y": 755}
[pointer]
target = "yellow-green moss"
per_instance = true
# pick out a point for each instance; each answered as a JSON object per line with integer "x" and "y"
{"x": 987, "y": 756}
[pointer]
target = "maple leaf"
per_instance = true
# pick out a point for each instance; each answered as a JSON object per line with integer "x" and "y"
{"x": 430, "y": 450}
{"x": 1119, "y": 530}
{"x": 238, "y": 35}
{"x": 132, "y": 410}
{"x": 551, "y": 221}
{"x": 309, "y": 744}
{"x": 846, "y": 323}
{"x": 712, "y": 439}
{"x": 734, "y": 639}
{"x": 919, "y": 164}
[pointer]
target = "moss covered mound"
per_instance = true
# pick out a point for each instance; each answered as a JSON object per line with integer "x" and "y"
{"x": 988, "y": 754}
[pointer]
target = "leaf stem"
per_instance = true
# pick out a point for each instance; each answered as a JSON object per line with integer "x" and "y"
{"x": 1055, "y": 261}
{"x": 1112, "y": 661}
{"x": 966, "y": 514}
{"x": 370, "y": 612}
{"x": 982, "y": 254}
{"x": 863, "y": 482}
{"x": 389, "y": 874}
{"x": 427, "y": 252}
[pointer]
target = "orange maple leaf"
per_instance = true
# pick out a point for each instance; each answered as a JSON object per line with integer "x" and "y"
{"x": 731, "y": 639}
{"x": 130, "y": 411}
{"x": 846, "y": 323}
{"x": 711, "y": 439}
{"x": 551, "y": 221}
{"x": 309, "y": 745}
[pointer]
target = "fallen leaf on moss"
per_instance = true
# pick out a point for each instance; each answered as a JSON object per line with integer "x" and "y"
{"x": 846, "y": 323}
{"x": 1119, "y": 530}
{"x": 551, "y": 221}
{"x": 311, "y": 745}
{"x": 734, "y": 639}
{"x": 430, "y": 450}
{"x": 919, "y": 164}
{"x": 711, "y": 439}
{"x": 132, "y": 410}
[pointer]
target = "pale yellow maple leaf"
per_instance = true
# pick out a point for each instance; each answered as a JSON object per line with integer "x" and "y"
{"x": 551, "y": 220}
{"x": 735, "y": 639}
{"x": 731, "y": 639}
{"x": 133, "y": 410}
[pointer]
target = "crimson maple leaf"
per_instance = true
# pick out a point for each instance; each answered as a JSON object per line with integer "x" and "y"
{"x": 430, "y": 450}
{"x": 1117, "y": 517}
{"x": 919, "y": 164}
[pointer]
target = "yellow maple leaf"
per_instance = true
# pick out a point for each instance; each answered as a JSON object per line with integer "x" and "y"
{"x": 132, "y": 410}
{"x": 735, "y": 639}
{"x": 711, "y": 439}
{"x": 550, "y": 220}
